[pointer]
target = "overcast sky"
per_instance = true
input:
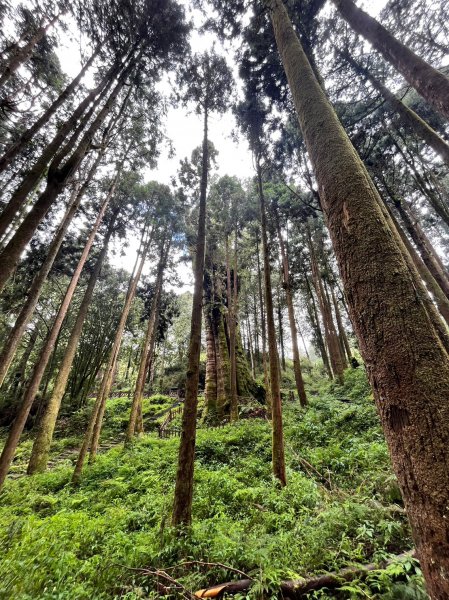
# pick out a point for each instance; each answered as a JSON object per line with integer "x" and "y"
{"x": 184, "y": 129}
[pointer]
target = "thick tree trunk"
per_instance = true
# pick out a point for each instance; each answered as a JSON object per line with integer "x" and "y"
{"x": 406, "y": 361}
{"x": 23, "y": 54}
{"x": 56, "y": 181}
{"x": 408, "y": 117}
{"x": 17, "y": 147}
{"x": 291, "y": 317}
{"x": 432, "y": 84}
{"x": 92, "y": 434}
{"x": 210, "y": 385}
{"x": 42, "y": 443}
{"x": 278, "y": 456}
{"x": 182, "y": 506}
{"x": 148, "y": 345}
{"x": 33, "y": 387}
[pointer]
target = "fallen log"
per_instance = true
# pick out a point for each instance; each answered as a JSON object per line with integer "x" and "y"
{"x": 295, "y": 589}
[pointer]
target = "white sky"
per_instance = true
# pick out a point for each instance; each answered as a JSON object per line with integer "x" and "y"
{"x": 184, "y": 129}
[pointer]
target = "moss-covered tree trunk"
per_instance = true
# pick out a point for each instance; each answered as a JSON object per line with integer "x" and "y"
{"x": 432, "y": 84}
{"x": 341, "y": 330}
{"x": 406, "y": 360}
{"x": 46, "y": 352}
{"x": 42, "y": 443}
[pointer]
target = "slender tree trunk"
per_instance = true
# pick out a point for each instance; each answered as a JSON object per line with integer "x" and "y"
{"x": 55, "y": 184}
{"x": 406, "y": 361}
{"x": 425, "y": 248}
{"x": 182, "y": 506}
{"x": 330, "y": 332}
{"x": 34, "y": 292}
{"x": 341, "y": 330}
{"x": 314, "y": 318}
{"x": 291, "y": 317}
{"x": 231, "y": 319}
{"x": 210, "y": 384}
{"x": 439, "y": 296}
{"x": 97, "y": 413}
{"x": 33, "y": 387}
{"x": 19, "y": 145}
{"x": 278, "y": 457}
{"x": 250, "y": 346}
{"x": 76, "y": 123}
{"x": 303, "y": 343}
{"x": 281, "y": 329}
{"x": 148, "y": 345}
{"x": 23, "y": 54}
{"x": 432, "y": 84}
{"x": 408, "y": 117}
{"x": 263, "y": 331}
{"x": 42, "y": 443}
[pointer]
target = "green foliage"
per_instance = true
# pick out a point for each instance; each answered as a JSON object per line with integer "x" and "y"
{"x": 61, "y": 542}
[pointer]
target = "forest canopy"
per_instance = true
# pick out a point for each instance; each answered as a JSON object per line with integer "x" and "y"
{"x": 224, "y": 299}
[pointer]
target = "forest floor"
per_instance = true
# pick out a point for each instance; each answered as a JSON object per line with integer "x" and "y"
{"x": 341, "y": 507}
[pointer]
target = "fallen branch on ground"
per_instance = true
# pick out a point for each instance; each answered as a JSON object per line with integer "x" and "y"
{"x": 298, "y": 588}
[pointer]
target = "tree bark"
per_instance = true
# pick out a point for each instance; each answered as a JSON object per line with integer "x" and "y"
{"x": 341, "y": 330}
{"x": 39, "y": 369}
{"x": 330, "y": 332}
{"x": 263, "y": 331}
{"x": 408, "y": 116}
{"x": 15, "y": 148}
{"x": 92, "y": 434}
{"x": 278, "y": 457}
{"x": 231, "y": 320}
{"x": 182, "y": 506}
{"x": 432, "y": 84}
{"x": 291, "y": 317}
{"x": 407, "y": 364}
{"x": 24, "y": 53}
{"x": 42, "y": 443}
{"x": 56, "y": 181}
{"x": 148, "y": 345}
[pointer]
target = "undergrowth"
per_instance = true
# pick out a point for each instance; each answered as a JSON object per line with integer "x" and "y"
{"x": 341, "y": 507}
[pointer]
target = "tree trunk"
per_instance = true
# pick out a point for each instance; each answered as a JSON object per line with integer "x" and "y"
{"x": 263, "y": 331}
{"x": 17, "y": 147}
{"x": 341, "y": 330}
{"x": 24, "y": 53}
{"x": 231, "y": 320}
{"x": 406, "y": 361}
{"x": 56, "y": 182}
{"x": 315, "y": 321}
{"x": 42, "y": 443}
{"x": 148, "y": 345}
{"x": 439, "y": 296}
{"x": 432, "y": 84}
{"x": 76, "y": 122}
{"x": 425, "y": 248}
{"x": 182, "y": 506}
{"x": 330, "y": 332}
{"x": 408, "y": 117}
{"x": 291, "y": 317}
{"x": 278, "y": 457}
{"x": 92, "y": 432}
{"x": 39, "y": 369}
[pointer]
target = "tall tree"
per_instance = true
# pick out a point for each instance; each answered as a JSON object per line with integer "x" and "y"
{"x": 373, "y": 267}
{"x": 207, "y": 82}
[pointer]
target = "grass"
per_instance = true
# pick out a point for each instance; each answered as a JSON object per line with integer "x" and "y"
{"x": 341, "y": 506}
